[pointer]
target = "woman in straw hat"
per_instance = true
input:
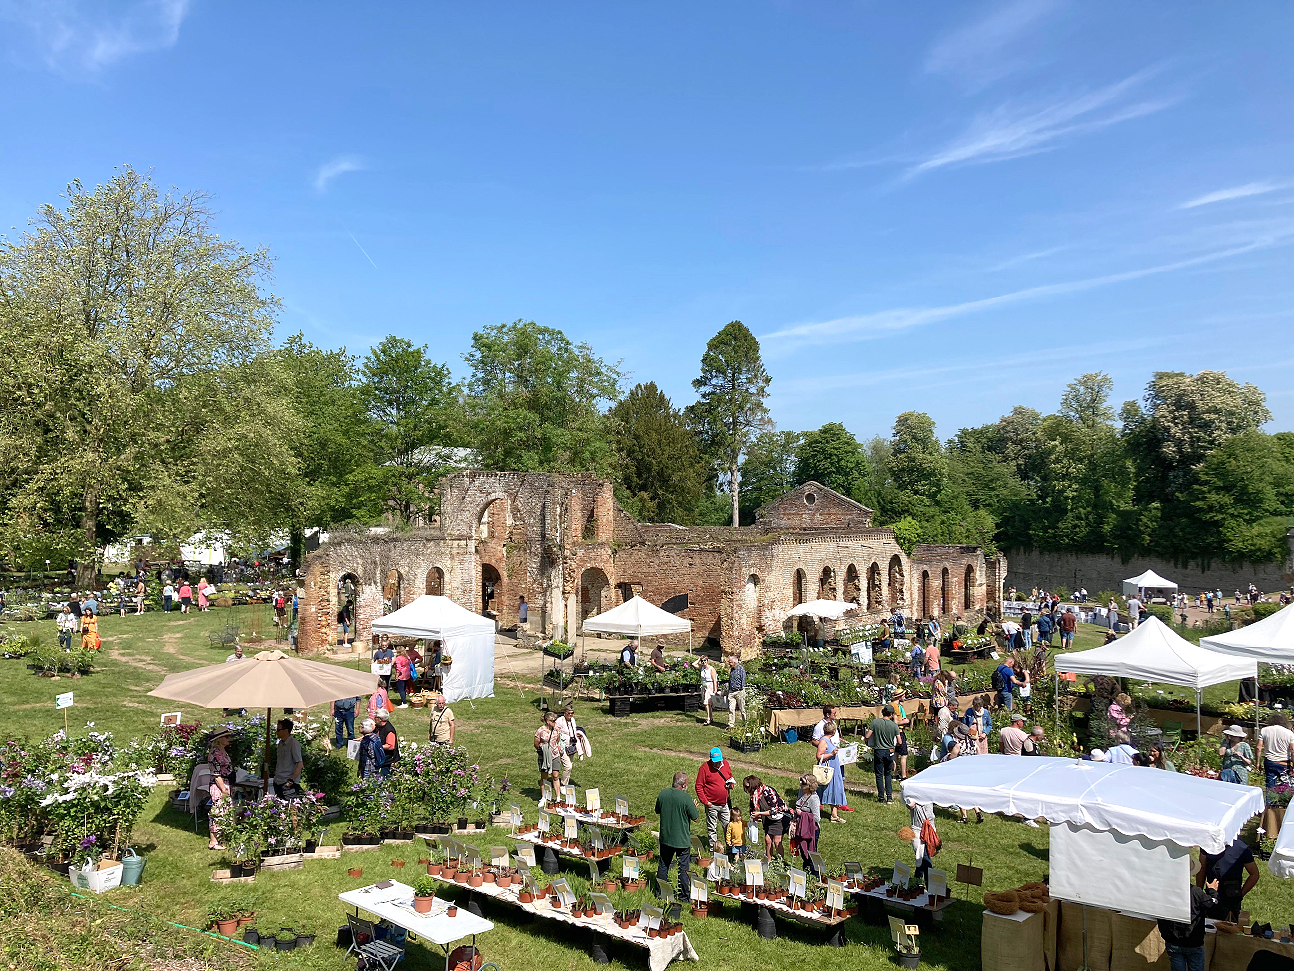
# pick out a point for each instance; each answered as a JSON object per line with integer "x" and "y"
{"x": 222, "y": 777}
{"x": 1237, "y": 756}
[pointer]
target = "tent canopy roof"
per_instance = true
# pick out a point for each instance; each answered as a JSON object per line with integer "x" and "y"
{"x": 430, "y": 616}
{"x": 270, "y": 679}
{"x": 639, "y": 618}
{"x": 833, "y": 609}
{"x": 1270, "y": 640}
{"x": 1150, "y": 580}
{"x": 1154, "y": 652}
{"x": 1127, "y": 799}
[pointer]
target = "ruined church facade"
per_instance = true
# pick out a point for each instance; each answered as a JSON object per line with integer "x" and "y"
{"x": 564, "y": 544}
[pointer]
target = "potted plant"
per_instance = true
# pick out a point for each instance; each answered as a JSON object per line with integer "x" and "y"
{"x": 909, "y": 954}
{"x": 222, "y": 916}
{"x": 285, "y": 939}
{"x": 305, "y": 940}
{"x": 424, "y": 894}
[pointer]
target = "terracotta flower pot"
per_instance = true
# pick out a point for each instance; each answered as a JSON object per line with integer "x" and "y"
{"x": 451, "y": 911}
{"x": 462, "y": 876}
{"x": 398, "y": 864}
{"x": 227, "y": 928}
{"x": 434, "y": 869}
{"x": 653, "y": 933}
{"x": 246, "y": 919}
{"x": 423, "y": 904}
{"x": 699, "y": 910}
{"x": 489, "y": 877}
{"x": 356, "y": 873}
{"x": 475, "y": 880}
{"x": 526, "y": 897}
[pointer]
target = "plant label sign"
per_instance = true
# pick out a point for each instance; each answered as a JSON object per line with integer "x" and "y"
{"x": 664, "y": 891}
{"x": 547, "y": 792}
{"x": 651, "y": 917}
{"x": 595, "y": 875}
{"x": 698, "y": 848}
{"x": 595, "y": 835}
{"x": 835, "y": 895}
{"x": 796, "y": 882}
{"x": 754, "y": 872}
{"x": 699, "y": 892}
{"x": 854, "y": 872}
{"x": 562, "y": 890}
{"x": 63, "y": 701}
{"x": 593, "y": 800}
{"x": 937, "y": 883}
{"x": 545, "y": 821}
{"x": 602, "y": 902}
{"x": 515, "y": 814}
{"x": 902, "y": 874}
{"x": 718, "y": 869}
{"x": 622, "y": 806}
{"x": 533, "y": 886}
{"x": 171, "y": 719}
{"x": 473, "y": 854}
{"x": 498, "y": 856}
{"x": 816, "y": 860}
{"x": 629, "y": 867}
{"x": 568, "y": 795}
{"x": 526, "y": 853}
{"x": 570, "y": 827}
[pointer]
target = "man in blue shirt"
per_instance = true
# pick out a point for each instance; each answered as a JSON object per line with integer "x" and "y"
{"x": 1004, "y": 682}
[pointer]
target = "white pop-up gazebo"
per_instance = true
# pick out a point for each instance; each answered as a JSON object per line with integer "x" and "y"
{"x": 1150, "y": 580}
{"x": 468, "y": 640}
{"x": 1270, "y": 640}
{"x": 1120, "y": 834}
{"x": 1155, "y": 652}
{"x": 637, "y": 617}
{"x": 1281, "y": 862}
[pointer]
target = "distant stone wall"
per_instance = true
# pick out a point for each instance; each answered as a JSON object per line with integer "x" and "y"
{"x": 1030, "y": 568}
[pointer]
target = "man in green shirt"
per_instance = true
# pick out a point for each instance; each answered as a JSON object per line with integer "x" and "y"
{"x": 677, "y": 810}
{"x": 881, "y": 736}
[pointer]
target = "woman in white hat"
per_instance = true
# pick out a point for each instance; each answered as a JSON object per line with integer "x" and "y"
{"x": 1237, "y": 756}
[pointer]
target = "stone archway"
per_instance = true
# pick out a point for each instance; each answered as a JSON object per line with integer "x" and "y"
{"x": 827, "y": 584}
{"x": 968, "y": 588}
{"x": 924, "y": 601}
{"x": 491, "y": 589}
{"x": 853, "y": 592}
{"x": 595, "y": 590}
{"x": 799, "y": 581}
{"x": 945, "y": 592}
{"x": 896, "y": 582}
{"x": 436, "y": 582}
{"x": 874, "y": 595}
{"x": 392, "y": 591}
{"x": 347, "y": 603}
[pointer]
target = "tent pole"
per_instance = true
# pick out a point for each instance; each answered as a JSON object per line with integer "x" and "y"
{"x": 1256, "y": 704}
{"x": 265, "y": 771}
{"x": 1056, "y": 695}
{"x": 1198, "y": 733}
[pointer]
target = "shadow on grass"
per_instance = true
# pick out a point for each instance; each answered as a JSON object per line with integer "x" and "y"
{"x": 1037, "y": 852}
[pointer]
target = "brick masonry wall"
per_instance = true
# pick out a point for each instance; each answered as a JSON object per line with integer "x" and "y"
{"x": 814, "y": 506}
{"x": 1030, "y": 568}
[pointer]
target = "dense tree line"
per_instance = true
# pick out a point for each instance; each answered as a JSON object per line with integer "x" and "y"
{"x": 144, "y": 394}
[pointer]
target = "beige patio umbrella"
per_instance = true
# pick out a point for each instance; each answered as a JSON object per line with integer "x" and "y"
{"x": 270, "y": 679}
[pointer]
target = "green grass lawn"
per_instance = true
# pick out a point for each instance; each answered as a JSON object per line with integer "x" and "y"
{"x": 634, "y": 757}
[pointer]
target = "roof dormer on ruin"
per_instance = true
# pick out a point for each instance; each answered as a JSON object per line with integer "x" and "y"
{"x": 813, "y": 506}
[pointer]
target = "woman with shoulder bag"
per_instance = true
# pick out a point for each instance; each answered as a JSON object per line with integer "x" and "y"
{"x": 827, "y": 772}
{"x": 769, "y": 808}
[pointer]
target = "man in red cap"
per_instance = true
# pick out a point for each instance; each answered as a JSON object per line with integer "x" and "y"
{"x": 713, "y": 782}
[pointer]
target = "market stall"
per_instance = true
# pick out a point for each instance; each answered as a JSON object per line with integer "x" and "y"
{"x": 1148, "y": 584}
{"x": 1154, "y": 652}
{"x": 639, "y": 618}
{"x": 467, "y": 637}
{"x": 1270, "y": 640}
{"x": 1133, "y": 826}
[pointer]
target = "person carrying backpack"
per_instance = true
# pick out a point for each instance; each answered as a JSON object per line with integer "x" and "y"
{"x": 1003, "y": 682}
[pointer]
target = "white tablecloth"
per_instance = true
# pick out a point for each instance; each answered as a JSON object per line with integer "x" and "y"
{"x": 394, "y": 904}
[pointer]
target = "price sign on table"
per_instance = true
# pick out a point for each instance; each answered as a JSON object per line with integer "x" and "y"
{"x": 547, "y": 791}
{"x": 568, "y": 795}
{"x": 498, "y": 856}
{"x": 718, "y": 869}
{"x": 629, "y": 867}
{"x": 754, "y": 872}
{"x": 526, "y": 853}
{"x": 796, "y": 882}
{"x": 515, "y": 816}
{"x": 651, "y": 917}
{"x": 622, "y": 806}
{"x": 545, "y": 821}
{"x": 603, "y": 903}
{"x": 937, "y": 883}
{"x": 570, "y": 827}
{"x": 854, "y": 872}
{"x": 593, "y": 800}
{"x": 699, "y": 892}
{"x": 835, "y": 895}
{"x": 902, "y": 874}
{"x": 563, "y": 891}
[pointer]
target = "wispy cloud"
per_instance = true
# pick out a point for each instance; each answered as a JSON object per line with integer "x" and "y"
{"x": 879, "y": 323}
{"x": 1013, "y": 130}
{"x": 338, "y": 166}
{"x": 82, "y": 35}
{"x": 1235, "y": 192}
{"x": 1026, "y": 258}
{"x": 979, "y": 51}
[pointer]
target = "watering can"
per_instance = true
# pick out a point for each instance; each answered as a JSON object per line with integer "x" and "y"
{"x": 132, "y": 868}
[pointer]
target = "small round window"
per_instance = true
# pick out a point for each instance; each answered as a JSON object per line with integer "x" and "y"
{"x": 810, "y": 498}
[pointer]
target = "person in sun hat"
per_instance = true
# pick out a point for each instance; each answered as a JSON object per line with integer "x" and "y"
{"x": 714, "y": 782}
{"x": 1237, "y": 756}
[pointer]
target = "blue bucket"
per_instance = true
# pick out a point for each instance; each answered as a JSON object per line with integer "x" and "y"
{"x": 790, "y": 735}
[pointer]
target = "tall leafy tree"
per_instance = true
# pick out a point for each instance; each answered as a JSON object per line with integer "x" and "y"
{"x": 131, "y": 332}
{"x": 768, "y": 468}
{"x": 730, "y": 409}
{"x": 663, "y": 476}
{"x": 1242, "y": 492}
{"x": 918, "y": 470}
{"x": 833, "y": 457}
{"x": 535, "y": 401}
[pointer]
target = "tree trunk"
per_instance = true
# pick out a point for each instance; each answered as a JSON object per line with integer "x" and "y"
{"x": 296, "y": 546}
{"x": 736, "y": 496}
{"x": 87, "y": 572}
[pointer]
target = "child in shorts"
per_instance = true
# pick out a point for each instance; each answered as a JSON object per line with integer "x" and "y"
{"x": 735, "y": 835}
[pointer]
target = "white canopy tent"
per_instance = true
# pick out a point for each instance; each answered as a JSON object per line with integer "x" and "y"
{"x": 468, "y": 640}
{"x": 1154, "y": 652}
{"x": 1150, "y": 580}
{"x": 1281, "y": 862}
{"x": 637, "y": 617}
{"x": 1270, "y": 640}
{"x": 829, "y": 609}
{"x": 1132, "y": 825}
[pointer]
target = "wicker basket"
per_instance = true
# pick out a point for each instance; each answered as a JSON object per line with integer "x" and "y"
{"x": 1032, "y": 905}
{"x": 1005, "y": 903}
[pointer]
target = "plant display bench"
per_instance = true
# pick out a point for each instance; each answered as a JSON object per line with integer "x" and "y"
{"x": 394, "y": 904}
{"x": 555, "y": 846}
{"x": 661, "y": 951}
{"x": 622, "y": 705}
{"x": 623, "y": 824}
{"x": 920, "y": 905}
{"x": 764, "y": 911}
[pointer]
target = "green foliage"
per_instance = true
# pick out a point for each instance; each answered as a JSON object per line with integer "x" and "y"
{"x": 663, "y": 476}
{"x": 832, "y": 457}
{"x": 425, "y": 886}
{"x": 768, "y": 470}
{"x": 534, "y": 401}
{"x": 730, "y": 409}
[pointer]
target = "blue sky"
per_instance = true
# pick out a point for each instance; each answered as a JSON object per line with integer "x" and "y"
{"x": 950, "y": 207}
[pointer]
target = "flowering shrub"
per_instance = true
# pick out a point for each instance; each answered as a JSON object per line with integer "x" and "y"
{"x": 270, "y": 827}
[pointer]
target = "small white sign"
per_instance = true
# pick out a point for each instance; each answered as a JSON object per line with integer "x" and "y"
{"x": 664, "y": 891}
{"x": 937, "y": 883}
{"x": 563, "y": 891}
{"x": 816, "y": 860}
{"x": 602, "y": 902}
{"x": 835, "y": 895}
{"x": 547, "y": 791}
{"x": 854, "y": 872}
{"x": 699, "y": 892}
{"x": 902, "y": 874}
{"x": 533, "y": 886}
{"x": 717, "y": 870}
{"x": 568, "y": 795}
{"x": 63, "y": 701}
{"x": 796, "y": 882}
{"x": 754, "y": 872}
{"x": 526, "y": 853}
{"x": 595, "y": 875}
{"x": 498, "y": 856}
{"x": 570, "y": 827}
{"x": 593, "y": 800}
{"x": 629, "y": 867}
{"x": 544, "y": 821}
{"x": 622, "y": 806}
{"x": 515, "y": 816}
{"x": 849, "y": 754}
{"x": 651, "y": 917}
{"x": 170, "y": 719}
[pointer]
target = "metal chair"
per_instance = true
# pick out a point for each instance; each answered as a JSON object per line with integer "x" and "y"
{"x": 365, "y": 944}
{"x": 1172, "y": 733}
